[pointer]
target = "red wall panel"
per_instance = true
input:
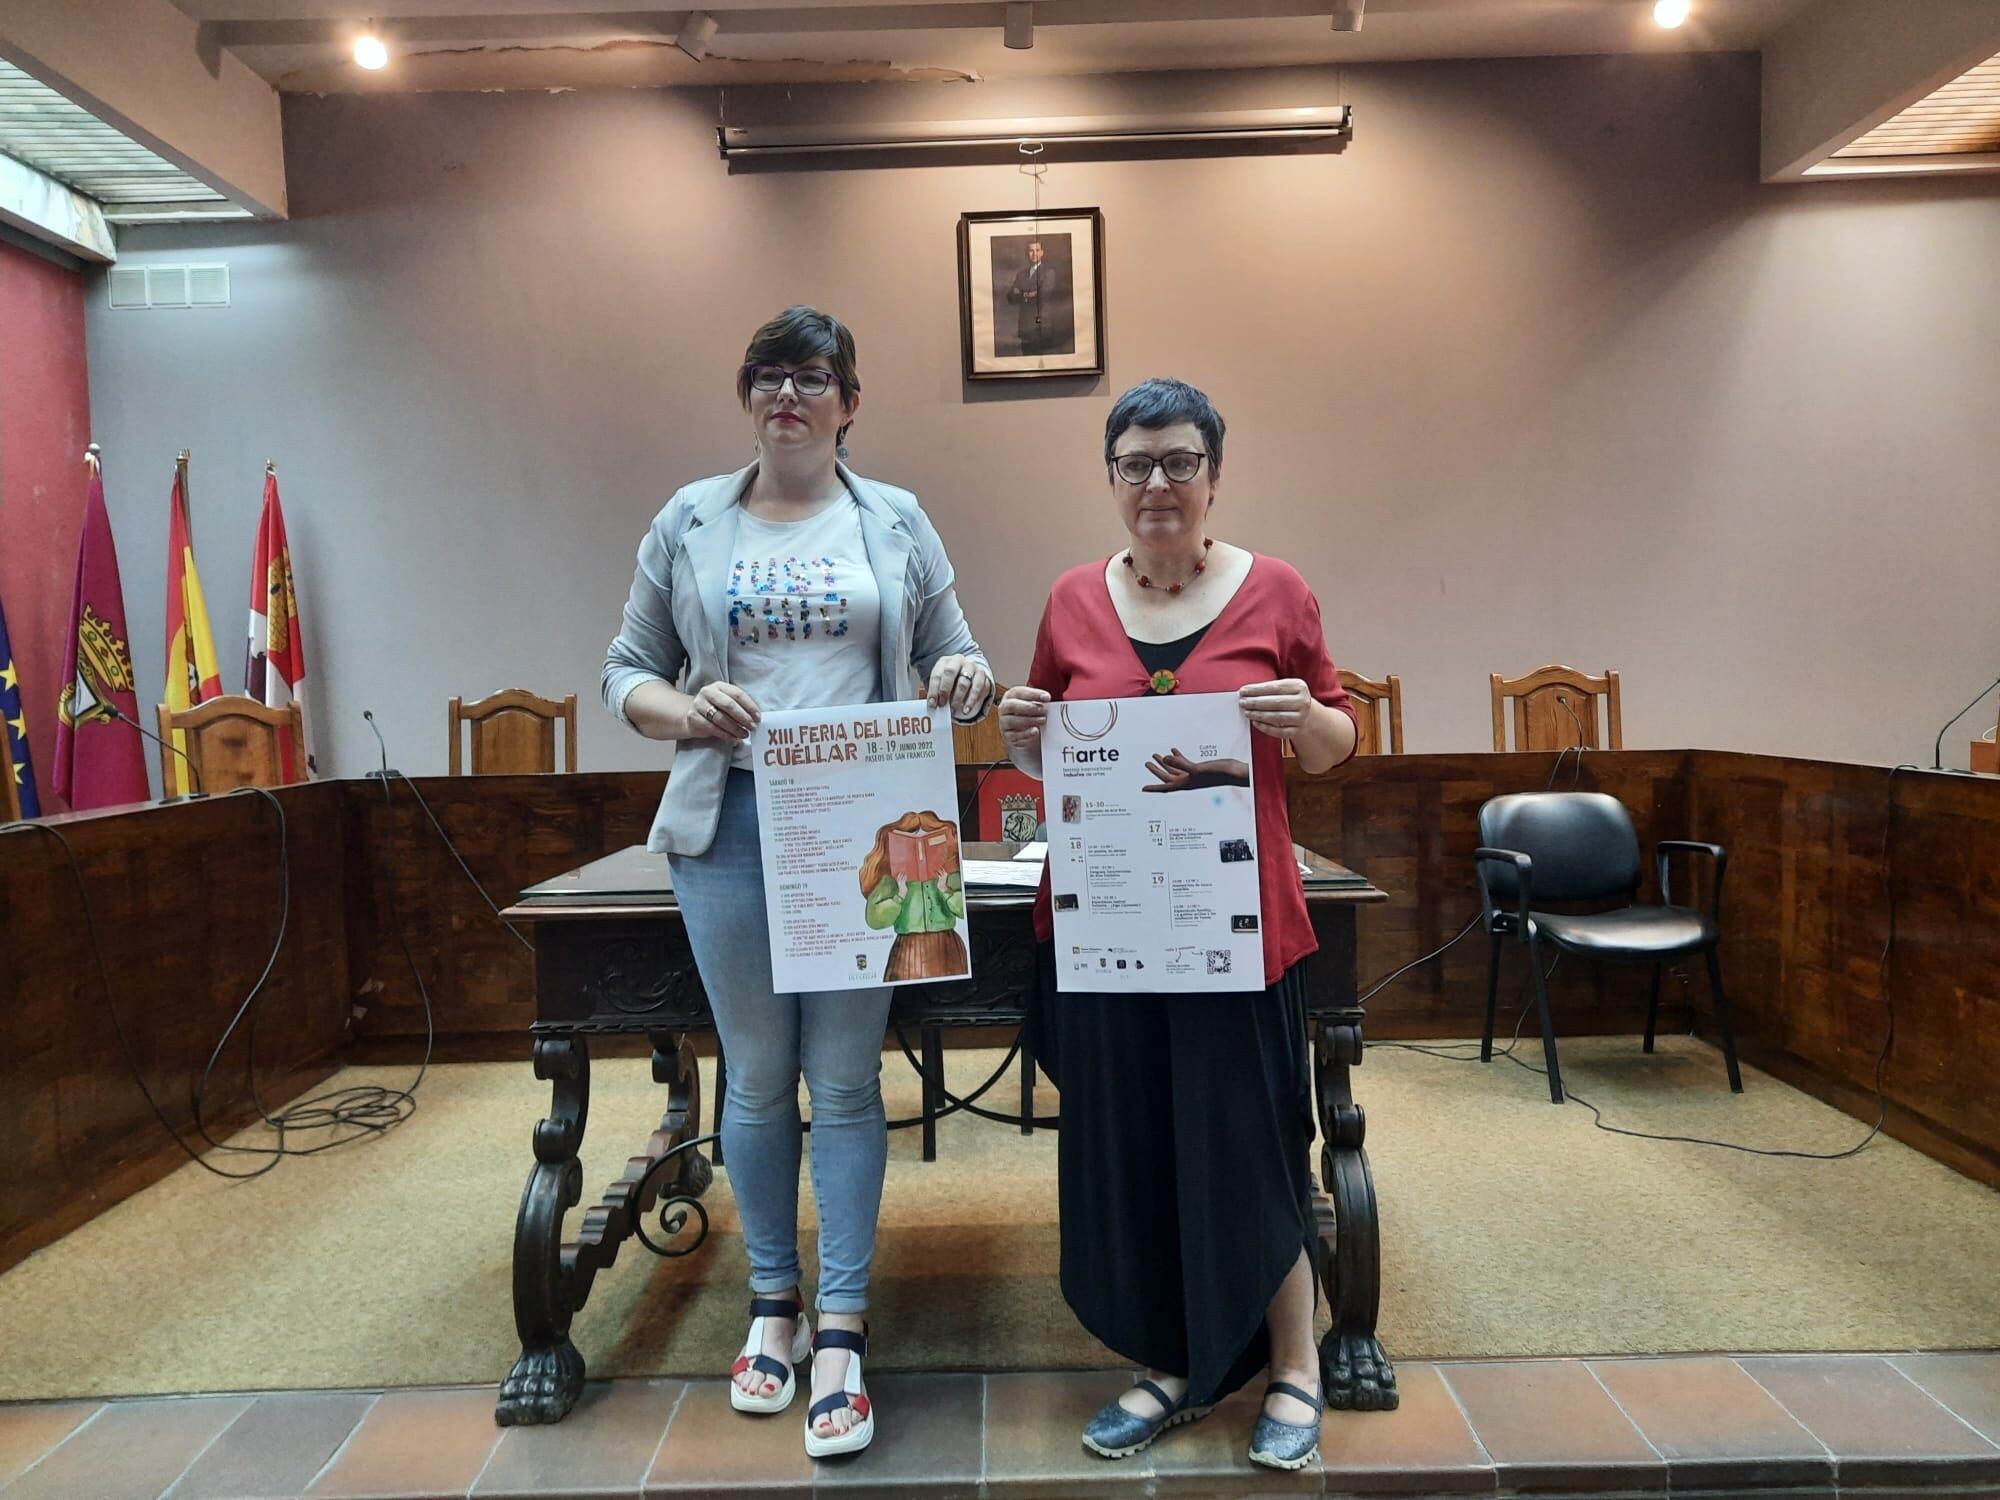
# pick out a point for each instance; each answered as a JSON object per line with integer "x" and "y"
{"x": 44, "y": 427}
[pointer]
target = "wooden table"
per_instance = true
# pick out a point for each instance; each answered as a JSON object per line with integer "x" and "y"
{"x": 611, "y": 957}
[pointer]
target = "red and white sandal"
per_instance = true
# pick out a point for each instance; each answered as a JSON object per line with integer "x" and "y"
{"x": 753, "y": 1357}
{"x": 852, "y": 1394}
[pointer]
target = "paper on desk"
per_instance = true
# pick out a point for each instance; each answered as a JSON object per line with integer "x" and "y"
{"x": 1001, "y": 872}
{"x": 1036, "y": 852}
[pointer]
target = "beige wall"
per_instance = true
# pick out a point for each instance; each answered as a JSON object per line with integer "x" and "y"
{"x": 1536, "y": 371}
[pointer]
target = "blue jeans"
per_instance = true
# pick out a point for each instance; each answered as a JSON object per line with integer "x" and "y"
{"x": 835, "y": 1036}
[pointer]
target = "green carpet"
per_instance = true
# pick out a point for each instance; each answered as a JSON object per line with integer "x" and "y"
{"x": 1510, "y": 1227}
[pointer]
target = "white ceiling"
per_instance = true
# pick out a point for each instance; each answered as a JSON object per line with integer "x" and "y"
{"x": 303, "y": 45}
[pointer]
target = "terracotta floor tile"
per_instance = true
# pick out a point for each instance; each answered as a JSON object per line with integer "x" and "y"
{"x": 132, "y": 1450}
{"x": 30, "y": 1430}
{"x": 1967, "y": 1383}
{"x": 1423, "y": 1447}
{"x": 274, "y": 1450}
{"x": 1212, "y": 1457}
{"x": 605, "y": 1446}
{"x": 1882, "y": 1429}
{"x": 930, "y": 1436}
{"x": 1034, "y": 1445}
{"x": 1714, "y": 1425}
{"x": 1549, "y": 1426}
{"x": 711, "y": 1448}
{"x": 416, "y": 1444}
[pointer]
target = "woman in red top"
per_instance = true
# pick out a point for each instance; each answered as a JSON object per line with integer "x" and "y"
{"x": 1187, "y": 1120}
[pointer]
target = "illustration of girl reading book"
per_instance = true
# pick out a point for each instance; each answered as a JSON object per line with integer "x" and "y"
{"x": 911, "y": 882}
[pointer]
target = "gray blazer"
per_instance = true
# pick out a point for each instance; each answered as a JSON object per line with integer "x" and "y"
{"x": 676, "y": 626}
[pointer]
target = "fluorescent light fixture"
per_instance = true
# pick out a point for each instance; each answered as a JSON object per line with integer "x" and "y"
{"x": 1347, "y": 14}
{"x": 1670, "y": 13}
{"x": 370, "y": 52}
{"x": 1020, "y": 24}
{"x": 1320, "y": 122}
{"x": 696, "y": 33}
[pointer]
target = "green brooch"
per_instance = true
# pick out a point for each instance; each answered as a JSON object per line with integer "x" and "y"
{"x": 1163, "y": 681}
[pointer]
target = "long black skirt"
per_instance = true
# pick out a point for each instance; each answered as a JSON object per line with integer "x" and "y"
{"x": 1184, "y": 1163}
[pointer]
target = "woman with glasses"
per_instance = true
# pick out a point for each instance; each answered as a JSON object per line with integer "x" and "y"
{"x": 792, "y": 583}
{"x": 1187, "y": 1119}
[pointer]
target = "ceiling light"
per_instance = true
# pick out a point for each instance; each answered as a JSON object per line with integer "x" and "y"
{"x": 1020, "y": 32}
{"x": 696, "y": 33}
{"x": 1670, "y": 13}
{"x": 370, "y": 51}
{"x": 1347, "y": 14}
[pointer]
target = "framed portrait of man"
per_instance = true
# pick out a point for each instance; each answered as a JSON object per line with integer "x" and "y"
{"x": 1031, "y": 293}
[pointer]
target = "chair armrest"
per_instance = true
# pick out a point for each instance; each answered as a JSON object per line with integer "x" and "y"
{"x": 1692, "y": 846}
{"x": 1524, "y": 875}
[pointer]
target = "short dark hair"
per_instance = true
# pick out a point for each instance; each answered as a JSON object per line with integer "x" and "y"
{"x": 1161, "y": 403}
{"x": 794, "y": 336}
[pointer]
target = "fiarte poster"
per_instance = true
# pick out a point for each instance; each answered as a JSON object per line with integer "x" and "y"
{"x": 1152, "y": 833}
{"x": 859, "y": 815}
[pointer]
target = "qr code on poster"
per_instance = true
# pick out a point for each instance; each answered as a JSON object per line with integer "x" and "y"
{"x": 1218, "y": 960}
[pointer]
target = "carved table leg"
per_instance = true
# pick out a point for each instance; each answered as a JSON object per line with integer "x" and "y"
{"x": 1356, "y": 1373}
{"x": 545, "y": 1380}
{"x": 552, "y": 1280}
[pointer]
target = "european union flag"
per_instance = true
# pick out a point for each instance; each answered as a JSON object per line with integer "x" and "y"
{"x": 17, "y": 763}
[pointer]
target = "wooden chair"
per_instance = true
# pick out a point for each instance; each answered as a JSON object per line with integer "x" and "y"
{"x": 980, "y": 743}
{"x": 232, "y": 741}
{"x": 1556, "y": 707}
{"x": 1369, "y": 696}
{"x": 513, "y": 732}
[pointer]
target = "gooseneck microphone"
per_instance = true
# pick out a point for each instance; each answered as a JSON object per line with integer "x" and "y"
{"x": 1937, "y": 750}
{"x": 385, "y": 773}
{"x": 195, "y": 775}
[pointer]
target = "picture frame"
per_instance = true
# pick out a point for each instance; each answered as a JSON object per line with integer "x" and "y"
{"x": 1031, "y": 294}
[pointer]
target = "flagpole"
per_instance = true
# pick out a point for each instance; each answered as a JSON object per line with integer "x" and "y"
{"x": 93, "y": 459}
{"x": 187, "y": 499}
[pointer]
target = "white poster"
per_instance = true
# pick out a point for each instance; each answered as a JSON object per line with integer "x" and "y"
{"x": 859, "y": 814}
{"x": 1153, "y": 844}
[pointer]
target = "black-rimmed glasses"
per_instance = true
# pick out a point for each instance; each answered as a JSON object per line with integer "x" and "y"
{"x": 810, "y": 382}
{"x": 1179, "y": 466}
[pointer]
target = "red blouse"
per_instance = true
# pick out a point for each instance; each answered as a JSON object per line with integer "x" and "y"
{"x": 1270, "y": 628}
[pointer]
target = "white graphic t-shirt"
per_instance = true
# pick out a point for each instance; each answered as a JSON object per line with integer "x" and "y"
{"x": 805, "y": 615}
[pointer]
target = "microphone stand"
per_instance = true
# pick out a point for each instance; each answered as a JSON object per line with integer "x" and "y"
{"x": 194, "y": 796}
{"x": 1937, "y": 750}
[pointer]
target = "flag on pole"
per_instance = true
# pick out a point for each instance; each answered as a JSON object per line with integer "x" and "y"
{"x": 274, "y": 672}
{"x": 99, "y": 762}
{"x": 15, "y": 738}
{"x": 192, "y": 674}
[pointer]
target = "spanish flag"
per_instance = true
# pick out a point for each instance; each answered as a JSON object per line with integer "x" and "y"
{"x": 192, "y": 674}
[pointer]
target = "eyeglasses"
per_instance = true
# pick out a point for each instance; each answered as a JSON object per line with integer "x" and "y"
{"x": 810, "y": 382}
{"x": 1179, "y": 466}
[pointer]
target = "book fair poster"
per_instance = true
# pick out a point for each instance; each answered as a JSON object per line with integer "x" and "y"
{"x": 859, "y": 815}
{"x": 1152, "y": 844}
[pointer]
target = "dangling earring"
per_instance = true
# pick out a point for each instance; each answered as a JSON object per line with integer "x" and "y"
{"x": 840, "y": 442}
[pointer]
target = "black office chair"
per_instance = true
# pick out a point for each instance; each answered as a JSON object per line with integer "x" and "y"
{"x": 1580, "y": 846}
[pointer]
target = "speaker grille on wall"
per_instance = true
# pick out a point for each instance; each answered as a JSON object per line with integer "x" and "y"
{"x": 134, "y": 287}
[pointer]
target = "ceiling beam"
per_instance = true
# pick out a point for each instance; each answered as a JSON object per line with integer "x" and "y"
{"x": 54, "y": 213}
{"x": 146, "y": 68}
{"x": 1842, "y": 67}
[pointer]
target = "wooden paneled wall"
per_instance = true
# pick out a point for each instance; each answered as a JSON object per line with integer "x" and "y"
{"x": 186, "y": 902}
{"x": 1811, "y": 869}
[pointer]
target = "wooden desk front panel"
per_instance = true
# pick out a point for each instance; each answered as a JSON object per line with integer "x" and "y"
{"x": 186, "y": 905}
